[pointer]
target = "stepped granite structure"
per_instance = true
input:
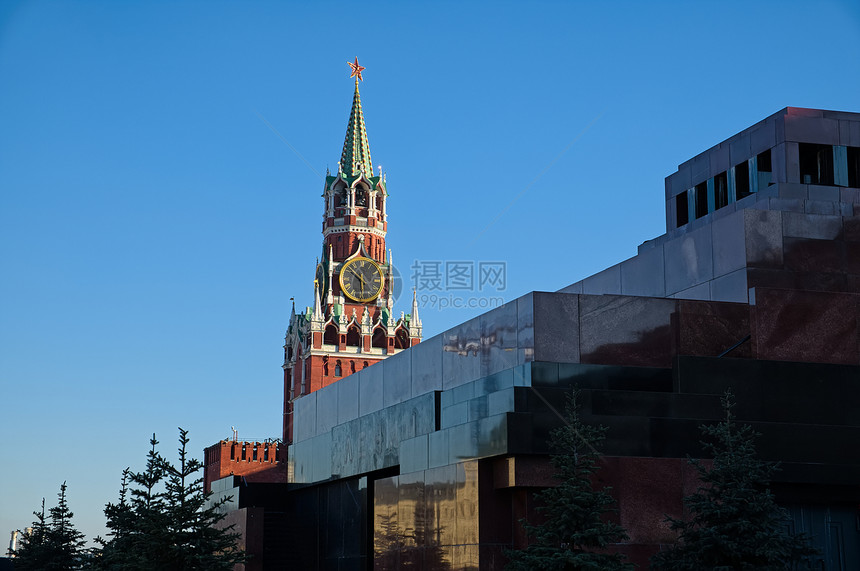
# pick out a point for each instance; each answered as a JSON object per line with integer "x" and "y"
{"x": 430, "y": 458}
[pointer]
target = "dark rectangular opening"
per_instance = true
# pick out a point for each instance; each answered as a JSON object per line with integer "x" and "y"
{"x": 764, "y": 169}
{"x": 816, "y": 163}
{"x": 854, "y": 167}
{"x": 721, "y": 190}
{"x": 682, "y": 212}
{"x": 742, "y": 180}
{"x": 763, "y": 160}
{"x": 701, "y": 199}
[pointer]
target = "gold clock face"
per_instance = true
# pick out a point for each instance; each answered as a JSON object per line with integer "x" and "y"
{"x": 361, "y": 279}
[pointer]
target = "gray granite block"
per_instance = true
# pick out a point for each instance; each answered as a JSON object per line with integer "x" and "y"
{"x": 397, "y": 378}
{"x": 763, "y": 231}
{"x": 644, "y": 274}
{"x": 606, "y": 282}
{"x": 729, "y": 241}
{"x": 689, "y": 260}
{"x": 556, "y": 327}
{"x": 818, "y": 226}
{"x": 730, "y": 287}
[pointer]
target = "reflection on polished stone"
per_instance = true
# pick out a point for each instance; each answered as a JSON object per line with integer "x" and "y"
{"x": 427, "y": 519}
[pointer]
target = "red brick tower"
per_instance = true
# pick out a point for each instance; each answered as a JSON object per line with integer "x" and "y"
{"x": 351, "y": 324}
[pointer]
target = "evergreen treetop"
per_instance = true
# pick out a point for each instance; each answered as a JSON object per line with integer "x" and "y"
{"x": 734, "y": 521}
{"x": 576, "y": 531}
{"x": 54, "y": 545}
{"x": 164, "y": 520}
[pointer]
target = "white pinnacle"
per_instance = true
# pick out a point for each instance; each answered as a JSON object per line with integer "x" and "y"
{"x": 416, "y": 321}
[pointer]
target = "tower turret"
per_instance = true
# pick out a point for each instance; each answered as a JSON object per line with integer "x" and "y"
{"x": 351, "y": 324}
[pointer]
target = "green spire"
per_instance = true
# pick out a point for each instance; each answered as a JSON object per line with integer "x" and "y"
{"x": 356, "y": 149}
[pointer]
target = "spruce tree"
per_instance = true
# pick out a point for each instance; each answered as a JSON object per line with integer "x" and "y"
{"x": 32, "y": 552}
{"x": 163, "y": 520}
{"x": 67, "y": 542}
{"x": 121, "y": 520}
{"x": 54, "y": 546}
{"x": 576, "y": 531}
{"x": 734, "y": 522}
{"x": 197, "y": 540}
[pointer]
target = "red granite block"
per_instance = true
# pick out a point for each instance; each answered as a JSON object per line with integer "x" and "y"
{"x": 708, "y": 328}
{"x": 819, "y": 327}
{"x": 852, "y": 258}
{"x": 805, "y": 255}
{"x": 851, "y": 228}
{"x": 647, "y": 490}
{"x": 622, "y": 330}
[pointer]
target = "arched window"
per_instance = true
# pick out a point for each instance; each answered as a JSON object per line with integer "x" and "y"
{"x": 379, "y": 339}
{"x": 351, "y": 367}
{"x": 365, "y": 365}
{"x": 401, "y": 340}
{"x": 330, "y": 335}
{"x": 353, "y": 336}
{"x": 340, "y": 196}
{"x": 338, "y": 372}
{"x": 360, "y": 196}
{"x": 325, "y": 367}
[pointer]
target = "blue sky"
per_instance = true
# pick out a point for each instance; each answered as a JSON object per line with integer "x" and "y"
{"x": 153, "y": 226}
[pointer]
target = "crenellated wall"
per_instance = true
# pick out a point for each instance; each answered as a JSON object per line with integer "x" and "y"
{"x": 256, "y": 461}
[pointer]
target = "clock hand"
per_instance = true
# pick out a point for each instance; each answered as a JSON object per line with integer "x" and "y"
{"x": 358, "y": 275}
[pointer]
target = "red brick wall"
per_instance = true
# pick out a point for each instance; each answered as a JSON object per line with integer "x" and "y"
{"x": 226, "y": 458}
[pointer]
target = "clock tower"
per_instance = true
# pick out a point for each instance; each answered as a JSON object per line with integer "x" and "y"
{"x": 351, "y": 324}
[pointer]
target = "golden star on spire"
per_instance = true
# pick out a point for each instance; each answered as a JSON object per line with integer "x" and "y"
{"x": 356, "y": 69}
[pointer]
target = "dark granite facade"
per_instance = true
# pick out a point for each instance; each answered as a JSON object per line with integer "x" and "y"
{"x": 429, "y": 459}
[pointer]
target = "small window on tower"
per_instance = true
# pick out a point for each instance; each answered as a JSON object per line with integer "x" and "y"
{"x": 701, "y": 199}
{"x": 379, "y": 340}
{"x": 338, "y": 372}
{"x": 353, "y": 336}
{"x": 764, "y": 169}
{"x": 401, "y": 340}
{"x": 330, "y": 335}
{"x": 361, "y": 196}
{"x": 682, "y": 212}
{"x": 854, "y": 167}
{"x": 721, "y": 190}
{"x": 816, "y": 163}
{"x": 742, "y": 180}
